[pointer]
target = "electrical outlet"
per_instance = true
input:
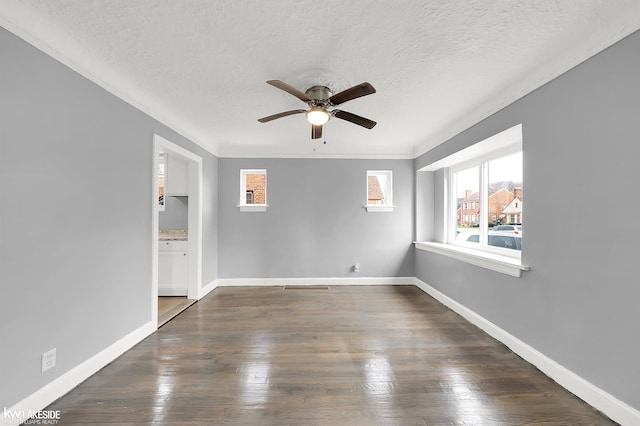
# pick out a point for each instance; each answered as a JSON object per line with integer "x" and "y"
{"x": 356, "y": 267}
{"x": 48, "y": 360}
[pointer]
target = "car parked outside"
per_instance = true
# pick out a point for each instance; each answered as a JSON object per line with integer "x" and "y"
{"x": 500, "y": 239}
{"x": 515, "y": 229}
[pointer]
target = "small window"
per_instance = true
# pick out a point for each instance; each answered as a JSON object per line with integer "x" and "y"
{"x": 253, "y": 190}
{"x": 379, "y": 191}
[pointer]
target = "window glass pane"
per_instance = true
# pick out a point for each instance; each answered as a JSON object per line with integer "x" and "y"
{"x": 505, "y": 201}
{"x": 379, "y": 188}
{"x": 467, "y": 200}
{"x": 505, "y": 190}
{"x": 255, "y": 184}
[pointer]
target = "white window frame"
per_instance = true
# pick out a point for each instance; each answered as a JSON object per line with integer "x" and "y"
{"x": 388, "y": 206}
{"x": 509, "y": 139}
{"x": 482, "y": 162}
{"x": 251, "y": 208}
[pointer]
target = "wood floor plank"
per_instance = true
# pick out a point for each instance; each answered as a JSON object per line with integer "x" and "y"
{"x": 169, "y": 307}
{"x": 361, "y": 355}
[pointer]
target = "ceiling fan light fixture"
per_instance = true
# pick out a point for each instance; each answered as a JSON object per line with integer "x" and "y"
{"x": 319, "y": 99}
{"x": 318, "y": 116}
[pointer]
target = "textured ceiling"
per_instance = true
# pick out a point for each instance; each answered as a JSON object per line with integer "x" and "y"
{"x": 200, "y": 66}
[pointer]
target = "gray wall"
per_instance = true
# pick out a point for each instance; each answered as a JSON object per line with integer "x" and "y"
{"x": 75, "y": 217}
{"x": 316, "y": 225}
{"x": 175, "y": 214}
{"x": 579, "y": 304}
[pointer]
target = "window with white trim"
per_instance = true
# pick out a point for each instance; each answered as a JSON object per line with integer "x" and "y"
{"x": 379, "y": 191}
{"x": 253, "y": 190}
{"x": 469, "y": 204}
{"x": 485, "y": 202}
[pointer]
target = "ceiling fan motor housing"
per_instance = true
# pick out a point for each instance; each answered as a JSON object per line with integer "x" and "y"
{"x": 321, "y": 93}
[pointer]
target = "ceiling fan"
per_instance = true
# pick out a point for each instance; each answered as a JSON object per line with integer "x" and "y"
{"x": 320, "y": 99}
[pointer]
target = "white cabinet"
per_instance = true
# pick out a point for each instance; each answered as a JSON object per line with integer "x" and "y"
{"x": 176, "y": 176}
{"x": 173, "y": 276}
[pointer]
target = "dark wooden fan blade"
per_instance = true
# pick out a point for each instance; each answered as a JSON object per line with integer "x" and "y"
{"x": 289, "y": 89}
{"x": 316, "y": 131}
{"x": 280, "y": 115}
{"x": 362, "y": 89}
{"x": 355, "y": 119}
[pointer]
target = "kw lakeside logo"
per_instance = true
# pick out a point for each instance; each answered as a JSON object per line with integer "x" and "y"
{"x": 40, "y": 417}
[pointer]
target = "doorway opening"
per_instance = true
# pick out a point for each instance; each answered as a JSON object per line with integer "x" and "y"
{"x": 177, "y": 236}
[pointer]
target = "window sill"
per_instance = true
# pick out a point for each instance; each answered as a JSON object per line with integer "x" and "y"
{"x": 253, "y": 208}
{"x": 377, "y": 208}
{"x": 494, "y": 262}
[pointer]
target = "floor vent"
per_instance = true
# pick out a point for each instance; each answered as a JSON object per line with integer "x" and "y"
{"x": 306, "y": 287}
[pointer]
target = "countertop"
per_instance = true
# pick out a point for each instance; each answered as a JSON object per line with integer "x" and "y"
{"x": 173, "y": 235}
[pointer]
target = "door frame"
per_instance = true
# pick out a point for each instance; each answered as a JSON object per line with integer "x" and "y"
{"x": 194, "y": 220}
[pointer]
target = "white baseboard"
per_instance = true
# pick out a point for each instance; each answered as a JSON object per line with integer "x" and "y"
{"x": 44, "y": 396}
{"x": 229, "y": 282}
{"x": 203, "y": 291}
{"x": 617, "y": 410}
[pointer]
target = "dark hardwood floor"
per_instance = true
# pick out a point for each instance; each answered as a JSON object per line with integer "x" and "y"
{"x": 346, "y": 355}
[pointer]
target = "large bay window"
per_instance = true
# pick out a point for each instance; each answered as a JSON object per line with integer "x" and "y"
{"x": 476, "y": 208}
